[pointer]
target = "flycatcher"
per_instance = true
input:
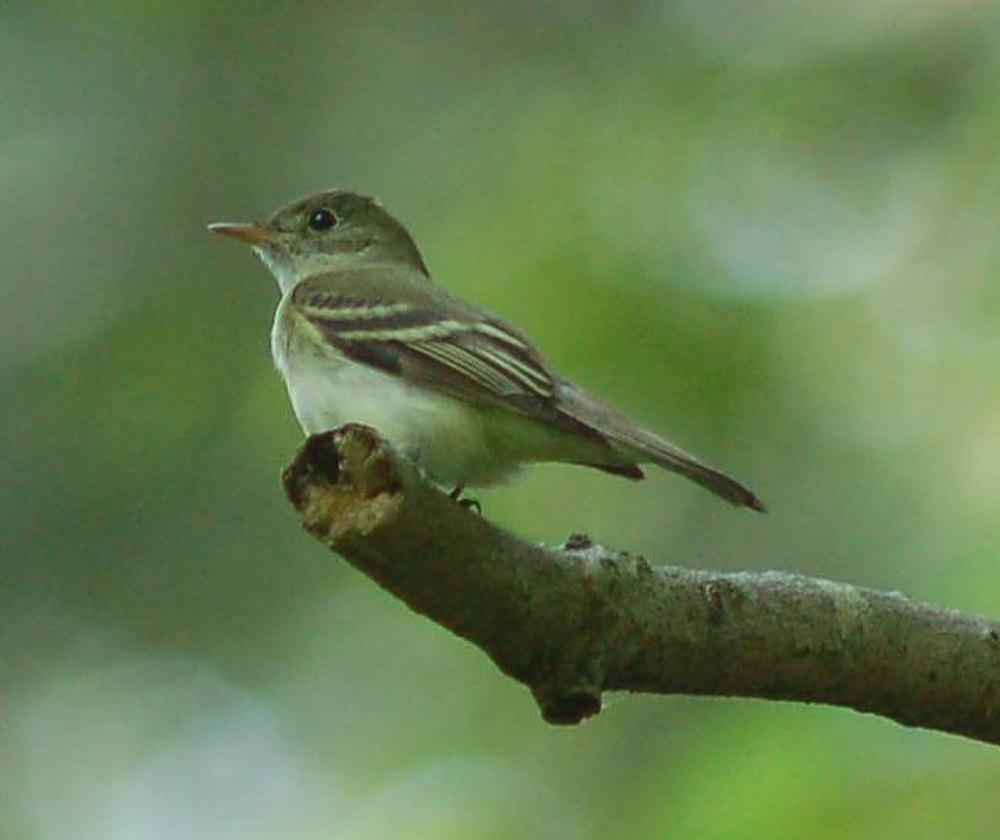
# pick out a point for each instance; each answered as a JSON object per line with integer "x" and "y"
{"x": 362, "y": 334}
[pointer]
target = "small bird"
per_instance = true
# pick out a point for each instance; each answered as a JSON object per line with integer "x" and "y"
{"x": 362, "y": 334}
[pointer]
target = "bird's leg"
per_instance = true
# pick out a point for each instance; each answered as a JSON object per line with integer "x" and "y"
{"x": 456, "y": 494}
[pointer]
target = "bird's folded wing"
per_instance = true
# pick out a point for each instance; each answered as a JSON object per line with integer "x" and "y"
{"x": 485, "y": 362}
{"x": 474, "y": 358}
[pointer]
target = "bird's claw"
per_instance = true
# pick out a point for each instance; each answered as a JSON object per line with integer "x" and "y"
{"x": 471, "y": 503}
{"x": 456, "y": 495}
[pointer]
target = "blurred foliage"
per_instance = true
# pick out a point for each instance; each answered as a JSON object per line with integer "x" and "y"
{"x": 766, "y": 229}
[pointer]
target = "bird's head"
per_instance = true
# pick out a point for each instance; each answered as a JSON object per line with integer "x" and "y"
{"x": 329, "y": 231}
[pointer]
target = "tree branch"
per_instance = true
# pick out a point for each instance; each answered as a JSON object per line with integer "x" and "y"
{"x": 572, "y": 622}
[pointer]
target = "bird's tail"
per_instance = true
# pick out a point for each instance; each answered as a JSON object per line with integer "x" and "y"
{"x": 676, "y": 460}
{"x": 636, "y": 443}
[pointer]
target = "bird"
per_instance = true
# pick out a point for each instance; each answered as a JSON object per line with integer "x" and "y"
{"x": 363, "y": 334}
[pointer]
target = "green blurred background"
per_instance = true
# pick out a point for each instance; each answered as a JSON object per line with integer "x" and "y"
{"x": 769, "y": 230}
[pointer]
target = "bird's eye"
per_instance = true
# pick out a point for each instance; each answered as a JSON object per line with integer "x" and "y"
{"x": 322, "y": 220}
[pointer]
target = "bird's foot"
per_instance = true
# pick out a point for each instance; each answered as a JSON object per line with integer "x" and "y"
{"x": 473, "y": 504}
{"x": 456, "y": 495}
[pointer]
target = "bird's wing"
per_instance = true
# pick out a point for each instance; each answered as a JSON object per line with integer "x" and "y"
{"x": 462, "y": 353}
{"x": 479, "y": 359}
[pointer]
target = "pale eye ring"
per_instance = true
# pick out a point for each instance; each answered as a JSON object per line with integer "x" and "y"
{"x": 322, "y": 219}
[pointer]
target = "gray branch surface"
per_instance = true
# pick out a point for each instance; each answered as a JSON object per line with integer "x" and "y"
{"x": 574, "y": 621}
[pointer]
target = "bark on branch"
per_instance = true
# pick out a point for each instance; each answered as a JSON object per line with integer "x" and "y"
{"x": 574, "y": 621}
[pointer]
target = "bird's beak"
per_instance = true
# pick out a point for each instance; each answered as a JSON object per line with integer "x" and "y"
{"x": 249, "y": 233}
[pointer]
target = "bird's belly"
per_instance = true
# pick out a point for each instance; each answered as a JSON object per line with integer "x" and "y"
{"x": 448, "y": 438}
